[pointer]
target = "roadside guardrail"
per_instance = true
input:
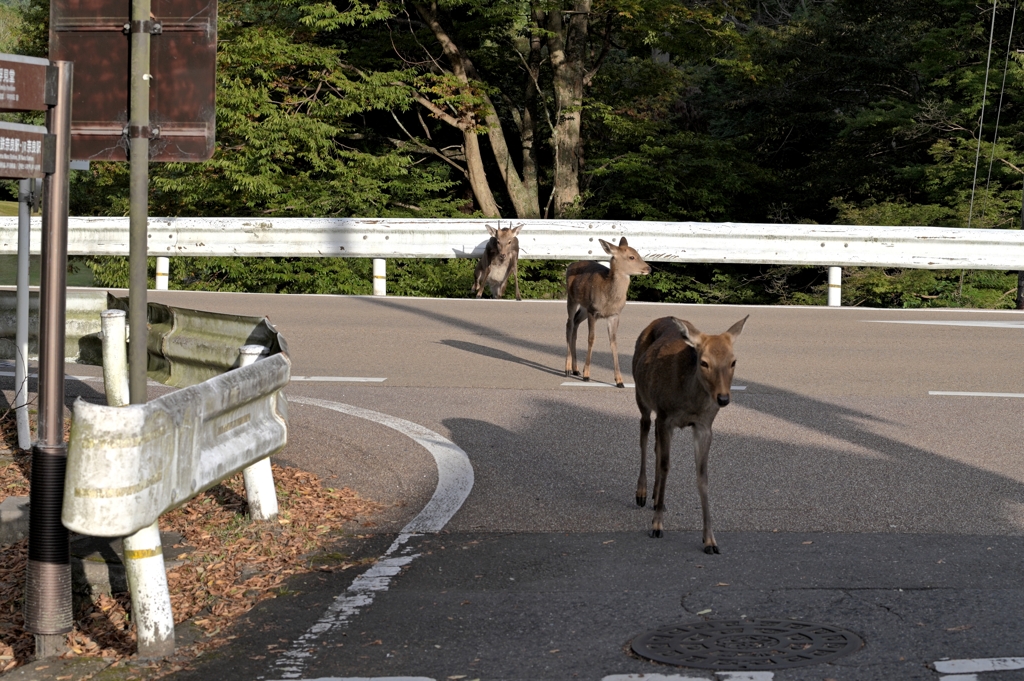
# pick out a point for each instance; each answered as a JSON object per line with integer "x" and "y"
{"x": 697, "y": 242}
{"x": 834, "y": 246}
{"x": 129, "y": 464}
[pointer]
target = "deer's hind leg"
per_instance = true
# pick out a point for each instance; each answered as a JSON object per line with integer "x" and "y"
{"x": 662, "y": 449}
{"x": 572, "y": 325}
{"x": 591, "y": 332}
{"x": 645, "y": 430}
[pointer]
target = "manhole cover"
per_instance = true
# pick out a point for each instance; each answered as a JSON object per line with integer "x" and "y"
{"x": 743, "y": 645}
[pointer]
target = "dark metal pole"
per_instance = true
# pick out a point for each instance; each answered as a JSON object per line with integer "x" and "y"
{"x": 48, "y": 577}
{"x": 138, "y": 211}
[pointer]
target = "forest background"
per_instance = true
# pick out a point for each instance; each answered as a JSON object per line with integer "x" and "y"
{"x": 862, "y": 112}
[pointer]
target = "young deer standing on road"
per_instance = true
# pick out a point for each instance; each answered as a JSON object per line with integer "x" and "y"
{"x": 595, "y": 292}
{"x": 500, "y": 259}
{"x": 684, "y": 377}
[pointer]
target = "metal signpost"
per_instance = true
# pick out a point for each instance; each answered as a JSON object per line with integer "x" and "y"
{"x": 27, "y": 151}
{"x": 164, "y": 111}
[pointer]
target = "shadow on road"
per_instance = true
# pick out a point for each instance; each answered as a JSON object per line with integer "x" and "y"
{"x": 499, "y": 354}
{"x": 600, "y": 358}
{"x": 780, "y": 461}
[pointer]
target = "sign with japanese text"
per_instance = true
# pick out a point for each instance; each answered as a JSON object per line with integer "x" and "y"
{"x": 26, "y": 83}
{"x": 26, "y": 151}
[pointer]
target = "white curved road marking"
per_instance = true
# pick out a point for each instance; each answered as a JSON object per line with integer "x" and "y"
{"x": 454, "y": 483}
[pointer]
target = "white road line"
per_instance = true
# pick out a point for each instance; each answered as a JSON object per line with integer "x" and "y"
{"x": 454, "y": 483}
{"x": 594, "y": 384}
{"x": 965, "y": 394}
{"x": 950, "y": 322}
{"x": 339, "y": 379}
{"x": 652, "y": 677}
{"x": 599, "y": 384}
{"x": 66, "y": 376}
{"x": 984, "y": 664}
{"x": 722, "y": 676}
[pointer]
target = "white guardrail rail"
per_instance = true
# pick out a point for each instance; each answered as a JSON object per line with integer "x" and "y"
{"x": 131, "y": 464}
{"x": 697, "y": 242}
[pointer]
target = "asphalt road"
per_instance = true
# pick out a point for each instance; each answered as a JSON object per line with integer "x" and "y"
{"x": 845, "y": 493}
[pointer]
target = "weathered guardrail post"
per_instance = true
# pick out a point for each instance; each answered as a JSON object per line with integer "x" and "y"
{"x": 163, "y": 269}
{"x": 113, "y": 333}
{"x": 143, "y": 551}
{"x": 835, "y": 286}
{"x": 380, "y": 277}
{"x": 259, "y": 477}
{"x": 129, "y": 465}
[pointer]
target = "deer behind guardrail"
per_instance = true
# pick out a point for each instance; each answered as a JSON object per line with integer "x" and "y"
{"x": 500, "y": 259}
{"x": 594, "y": 292}
{"x": 684, "y": 377}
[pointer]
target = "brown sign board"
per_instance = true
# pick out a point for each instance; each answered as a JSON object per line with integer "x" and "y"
{"x": 26, "y": 151}
{"x": 26, "y": 83}
{"x": 94, "y": 34}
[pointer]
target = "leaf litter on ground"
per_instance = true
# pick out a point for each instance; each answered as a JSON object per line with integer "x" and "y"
{"x": 230, "y": 563}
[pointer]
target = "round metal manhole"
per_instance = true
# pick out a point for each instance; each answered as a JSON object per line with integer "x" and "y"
{"x": 746, "y": 645}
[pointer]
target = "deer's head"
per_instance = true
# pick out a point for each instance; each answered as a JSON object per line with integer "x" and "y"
{"x": 504, "y": 238}
{"x": 625, "y": 258}
{"x": 715, "y": 359}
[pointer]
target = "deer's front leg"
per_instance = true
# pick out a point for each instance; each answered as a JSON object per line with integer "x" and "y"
{"x": 701, "y": 450}
{"x": 662, "y": 448}
{"x": 613, "y": 330}
{"x": 479, "y": 281}
{"x": 515, "y": 271}
{"x": 641, "y": 483}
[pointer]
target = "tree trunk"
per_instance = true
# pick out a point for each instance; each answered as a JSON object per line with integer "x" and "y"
{"x": 478, "y": 176}
{"x": 567, "y": 48}
{"x": 524, "y": 202}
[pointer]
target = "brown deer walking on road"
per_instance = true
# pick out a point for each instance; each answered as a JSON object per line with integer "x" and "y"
{"x": 684, "y": 377}
{"x": 500, "y": 259}
{"x": 594, "y": 292}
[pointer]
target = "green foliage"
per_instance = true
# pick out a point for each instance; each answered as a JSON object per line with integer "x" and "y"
{"x": 863, "y": 112}
{"x": 252, "y": 275}
{"x": 10, "y": 22}
{"x": 873, "y": 287}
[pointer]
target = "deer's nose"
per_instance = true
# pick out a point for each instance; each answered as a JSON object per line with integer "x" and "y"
{"x": 723, "y": 400}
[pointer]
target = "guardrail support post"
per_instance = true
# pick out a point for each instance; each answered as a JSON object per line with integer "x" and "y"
{"x": 151, "y": 599}
{"x": 163, "y": 268}
{"x": 835, "y": 286}
{"x": 259, "y": 477}
{"x": 143, "y": 552}
{"x": 380, "y": 277}
{"x": 113, "y": 332}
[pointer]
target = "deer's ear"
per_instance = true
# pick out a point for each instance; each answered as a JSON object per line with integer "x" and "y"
{"x": 515, "y": 230}
{"x": 608, "y": 248}
{"x": 622, "y": 242}
{"x": 736, "y": 328}
{"x": 492, "y": 231}
{"x": 690, "y": 334}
